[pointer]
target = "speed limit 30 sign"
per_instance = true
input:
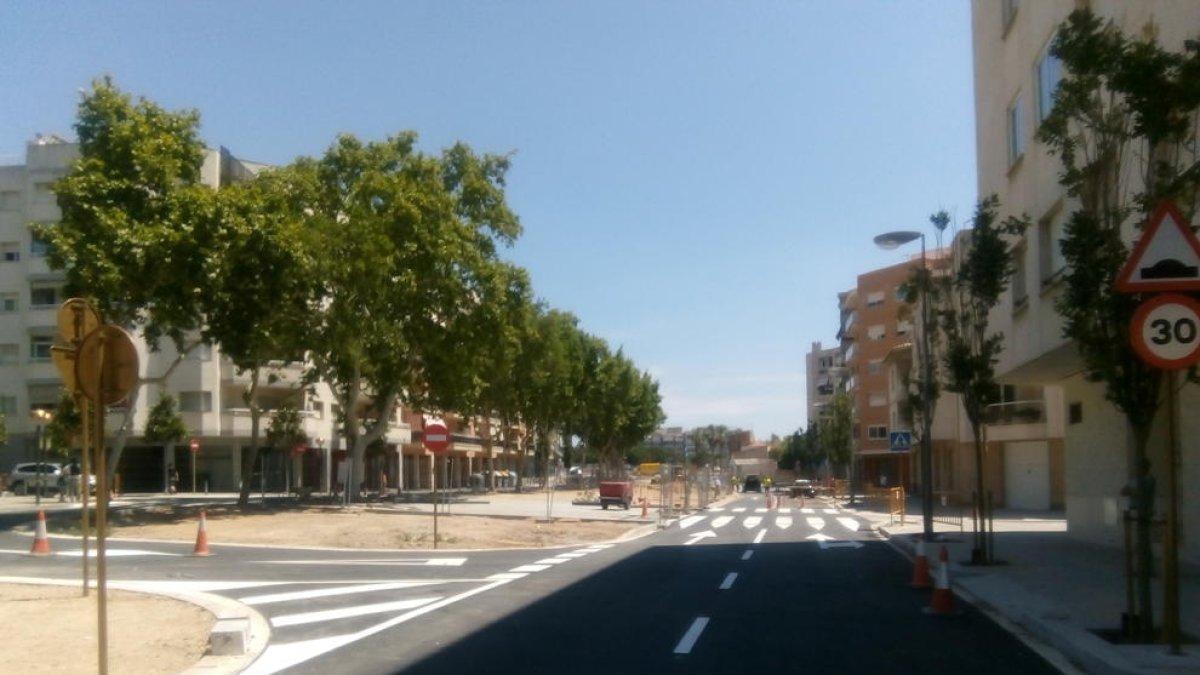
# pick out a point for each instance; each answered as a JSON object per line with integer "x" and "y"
{"x": 1166, "y": 331}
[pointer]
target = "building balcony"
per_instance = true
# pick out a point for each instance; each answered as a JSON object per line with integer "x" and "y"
{"x": 278, "y": 374}
{"x": 1017, "y": 420}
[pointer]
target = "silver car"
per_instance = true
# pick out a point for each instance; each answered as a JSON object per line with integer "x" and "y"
{"x": 26, "y": 477}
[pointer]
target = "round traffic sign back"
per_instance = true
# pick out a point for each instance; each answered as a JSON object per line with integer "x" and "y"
{"x": 436, "y": 437}
{"x": 1166, "y": 331}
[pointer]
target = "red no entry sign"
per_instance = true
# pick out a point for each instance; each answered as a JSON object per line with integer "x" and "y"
{"x": 436, "y": 437}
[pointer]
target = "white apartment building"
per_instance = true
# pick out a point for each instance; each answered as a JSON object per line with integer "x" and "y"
{"x": 1014, "y": 82}
{"x": 207, "y": 387}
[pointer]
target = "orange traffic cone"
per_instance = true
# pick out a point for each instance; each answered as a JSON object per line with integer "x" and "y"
{"x": 201, "y": 538}
{"x": 920, "y": 578}
{"x": 943, "y": 598}
{"x": 41, "y": 543}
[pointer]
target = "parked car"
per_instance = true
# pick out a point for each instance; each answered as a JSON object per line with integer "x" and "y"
{"x": 752, "y": 483}
{"x": 25, "y": 478}
{"x": 803, "y": 488}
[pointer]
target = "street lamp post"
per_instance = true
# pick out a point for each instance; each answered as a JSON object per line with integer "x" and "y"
{"x": 43, "y": 417}
{"x": 889, "y": 241}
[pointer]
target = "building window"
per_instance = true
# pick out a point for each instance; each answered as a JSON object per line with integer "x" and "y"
{"x": 41, "y": 297}
{"x": 10, "y": 200}
{"x": 1049, "y": 72}
{"x": 877, "y": 399}
{"x": 39, "y": 347}
{"x": 1016, "y": 130}
{"x": 1019, "y": 294}
{"x": 10, "y": 251}
{"x": 875, "y": 366}
{"x": 875, "y": 299}
{"x": 877, "y": 332}
{"x": 195, "y": 401}
{"x": 38, "y": 247}
{"x": 1051, "y": 262}
{"x": 8, "y": 303}
{"x": 877, "y": 432}
{"x": 903, "y": 327}
{"x": 8, "y": 354}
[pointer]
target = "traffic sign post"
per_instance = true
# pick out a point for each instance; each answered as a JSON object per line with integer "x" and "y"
{"x": 900, "y": 441}
{"x": 1165, "y": 333}
{"x": 436, "y": 439}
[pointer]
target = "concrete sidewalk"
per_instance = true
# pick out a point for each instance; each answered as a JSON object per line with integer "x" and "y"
{"x": 1057, "y": 589}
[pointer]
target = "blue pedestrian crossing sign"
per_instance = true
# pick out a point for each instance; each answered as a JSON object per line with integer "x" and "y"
{"x": 900, "y": 441}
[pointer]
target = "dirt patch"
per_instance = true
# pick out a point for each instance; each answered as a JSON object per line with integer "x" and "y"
{"x": 52, "y": 629}
{"x": 353, "y": 527}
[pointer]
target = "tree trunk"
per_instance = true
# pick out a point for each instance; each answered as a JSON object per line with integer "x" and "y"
{"x": 980, "y": 553}
{"x": 250, "y": 457}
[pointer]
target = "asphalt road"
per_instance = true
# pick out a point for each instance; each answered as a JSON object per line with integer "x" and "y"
{"x": 730, "y": 590}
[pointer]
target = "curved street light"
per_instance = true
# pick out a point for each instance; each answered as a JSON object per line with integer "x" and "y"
{"x": 889, "y": 241}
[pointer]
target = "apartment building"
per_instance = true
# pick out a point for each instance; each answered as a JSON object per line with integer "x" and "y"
{"x": 207, "y": 387}
{"x": 1014, "y": 82}
{"x": 824, "y": 375}
{"x": 874, "y": 321}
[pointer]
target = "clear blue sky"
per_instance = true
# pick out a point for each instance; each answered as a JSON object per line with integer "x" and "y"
{"x": 697, "y": 179}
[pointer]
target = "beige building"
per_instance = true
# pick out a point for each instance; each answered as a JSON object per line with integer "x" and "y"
{"x": 1014, "y": 81}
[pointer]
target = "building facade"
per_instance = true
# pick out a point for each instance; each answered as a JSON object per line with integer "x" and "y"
{"x": 1015, "y": 78}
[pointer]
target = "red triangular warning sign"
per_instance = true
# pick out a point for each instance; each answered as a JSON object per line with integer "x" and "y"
{"x": 1165, "y": 258}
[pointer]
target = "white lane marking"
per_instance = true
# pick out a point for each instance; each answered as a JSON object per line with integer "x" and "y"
{"x": 820, "y": 537}
{"x": 721, "y": 521}
{"x": 716, "y": 509}
{"x": 698, "y": 536}
{"x": 530, "y": 568}
{"x": 552, "y": 561}
{"x": 571, "y": 555}
{"x": 751, "y": 522}
{"x": 114, "y": 553}
{"x": 785, "y": 510}
{"x": 784, "y": 522}
{"x": 830, "y": 511}
{"x": 183, "y": 586}
{"x": 269, "y": 598}
{"x": 761, "y": 534}
{"x": 807, "y": 510}
{"x": 747, "y": 554}
{"x": 760, "y": 510}
{"x": 690, "y": 521}
{"x": 740, "y": 509}
{"x": 345, "y": 612}
{"x": 598, "y": 547}
{"x": 839, "y": 544}
{"x": 849, "y": 523}
{"x": 432, "y": 562}
{"x": 507, "y": 576}
{"x": 815, "y": 523}
{"x": 693, "y": 633}
{"x": 277, "y": 657}
{"x": 729, "y": 579}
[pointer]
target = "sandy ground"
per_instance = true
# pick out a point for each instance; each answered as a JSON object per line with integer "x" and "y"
{"x": 52, "y": 629}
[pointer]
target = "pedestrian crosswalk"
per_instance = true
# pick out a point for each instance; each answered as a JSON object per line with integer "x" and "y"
{"x": 782, "y": 518}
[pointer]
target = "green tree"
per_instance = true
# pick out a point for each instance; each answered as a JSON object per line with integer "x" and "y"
{"x": 164, "y": 425}
{"x": 1123, "y": 126}
{"x": 135, "y": 226}
{"x": 63, "y": 429}
{"x": 836, "y": 432}
{"x": 406, "y": 240}
{"x": 982, "y": 267}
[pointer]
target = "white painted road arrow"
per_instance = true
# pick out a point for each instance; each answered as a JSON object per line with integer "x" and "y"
{"x": 698, "y": 536}
{"x": 827, "y": 542}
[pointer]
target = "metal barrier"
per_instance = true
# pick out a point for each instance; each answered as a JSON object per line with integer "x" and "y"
{"x": 948, "y": 514}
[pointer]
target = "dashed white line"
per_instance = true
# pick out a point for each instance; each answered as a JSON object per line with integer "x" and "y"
{"x": 530, "y": 568}
{"x": 693, "y": 633}
{"x": 761, "y": 534}
{"x": 506, "y": 576}
{"x": 747, "y": 554}
{"x": 728, "y": 583}
{"x": 552, "y": 561}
